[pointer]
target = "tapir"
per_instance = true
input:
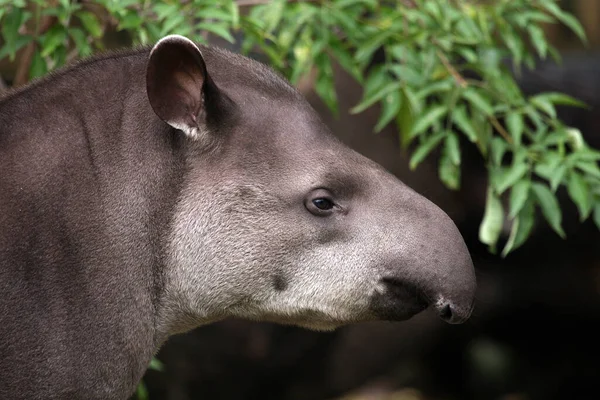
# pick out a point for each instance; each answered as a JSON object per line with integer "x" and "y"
{"x": 148, "y": 192}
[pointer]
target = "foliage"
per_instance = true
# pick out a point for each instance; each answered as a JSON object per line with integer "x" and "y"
{"x": 443, "y": 79}
{"x": 141, "y": 392}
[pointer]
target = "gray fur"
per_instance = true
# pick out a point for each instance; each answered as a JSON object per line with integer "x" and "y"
{"x": 118, "y": 229}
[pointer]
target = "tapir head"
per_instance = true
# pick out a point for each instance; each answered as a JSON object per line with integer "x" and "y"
{"x": 279, "y": 221}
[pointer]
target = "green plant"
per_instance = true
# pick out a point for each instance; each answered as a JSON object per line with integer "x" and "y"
{"x": 442, "y": 79}
{"x": 141, "y": 392}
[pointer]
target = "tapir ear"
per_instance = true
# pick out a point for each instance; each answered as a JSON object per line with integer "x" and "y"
{"x": 176, "y": 81}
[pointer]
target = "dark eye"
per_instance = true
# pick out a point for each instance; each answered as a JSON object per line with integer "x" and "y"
{"x": 323, "y": 204}
{"x": 320, "y": 203}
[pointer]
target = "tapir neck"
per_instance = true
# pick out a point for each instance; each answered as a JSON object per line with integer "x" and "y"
{"x": 97, "y": 174}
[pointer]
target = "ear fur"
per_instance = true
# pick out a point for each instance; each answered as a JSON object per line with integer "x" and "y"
{"x": 176, "y": 81}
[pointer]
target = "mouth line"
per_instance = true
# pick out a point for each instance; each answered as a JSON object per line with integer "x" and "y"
{"x": 400, "y": 300}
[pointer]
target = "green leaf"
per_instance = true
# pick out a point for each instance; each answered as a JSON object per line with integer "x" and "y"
{"x": 10, "y": 30}
{"x": 544, "y": 104}
{"x": 21, "y": 41}
{"x": 514, "y": 123}
{"x": 406, "y": 117}
{"x": 549, "y": 206}
{"x": 498, "y": 149}
{"x": 449, "y": 171}
{"x": 453, "y": 148}
{"x": 425, "y": 148}
{"x": 562, "y": 99}
{"x": 368, "y": 47}
{"x": 460, "y": 118}
{"x": 493, "y": 220}
{"x": 557, "y": 176}
{"x": 369, "y": 101}
{"x": 428, "y": 118}
{"x": 591, "y": 168}
{"x": 597, "y": 215}
{"x": 390, "y": 108}
{"x": 156, "y": 364}
{"x": 38, "y": 66}
{"x": 579, "y": 192}
{"x": 131, "y": 20}
{"x": 142, "y": 392}
{"x": 539, "y": 41}
{"x": 79, "y": 37}
{"x": 173, "y": 23}
{"x": 512, "y": 175}
{"x": 519, "y": 194}
{"x": 521, "y": 228}
{"x": 218, "y": 29}
{"x": 566, "y": 19}
{"x": 90, "y": 23}
{"x": 478, "y": 101}
{"x": 54, "y": 38}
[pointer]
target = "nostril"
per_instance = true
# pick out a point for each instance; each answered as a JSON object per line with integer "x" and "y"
{"x": 450, "y": 313}
{"x": 445, "y": 312}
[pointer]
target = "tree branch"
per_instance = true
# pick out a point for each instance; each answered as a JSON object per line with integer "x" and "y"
{"x": 26, "y": 58}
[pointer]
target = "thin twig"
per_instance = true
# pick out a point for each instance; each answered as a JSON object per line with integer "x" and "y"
{"x": 455, "y": 74}
{"x": 500, "y": 129}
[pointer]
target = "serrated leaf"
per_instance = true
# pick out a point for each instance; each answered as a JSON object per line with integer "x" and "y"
{"x": 566, "y": 19}
{"x": 156, "y": 365}
{"x": 521, "y": 228}
{"x": 218, "y": 29}
{"x": 539, "y": 41}
{"x": 79, "y": 37}
{"x": 597, "y": 215}
{"x": 90, "y": 23}
{"x": 325, "y": 89}
{"x": 557, "y": 176}
{"x": 460, "y": 118}
{"x": 493, "y": 220}
{"x": 424, "y": 149}
{"x": 590, "y": 168}
{"x": 390, "y": 108}
{"x": 38, "y": 66}
{"x": 10, "y": 30}
{"x": 453, "y": 148}
{"x": 512, "y": 175}
{"x": 549, "y": 206}
{"x": 369, "y": 46}
{"x": 52, "y": 39}
{"x": 579, "y": 192}
{"x": 478, "y": 101}
{"x": 562, "y": 99}
{"x": 369, "y": 101}
{"x": 498, "y": 149}
{"x": 131, "y": 20}
{"x": 514, "y": 123}
{"x": 519, "y": 194}
{"x": 172, "y": 23}
{"x": 405, "y": 118}
{"x": 449, "y": 172}
{"x": 542, "y": 103}
{"x": 429, "y": 117}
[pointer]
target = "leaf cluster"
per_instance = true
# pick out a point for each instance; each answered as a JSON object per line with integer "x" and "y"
{"x": 446, "y": 79}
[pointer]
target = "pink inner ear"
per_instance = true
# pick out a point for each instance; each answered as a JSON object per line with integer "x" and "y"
{"x": 175, "y": 79}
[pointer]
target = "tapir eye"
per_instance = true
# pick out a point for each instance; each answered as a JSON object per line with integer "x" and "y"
{"x": 320, "y": 203}
{"x": 323, "y": 204}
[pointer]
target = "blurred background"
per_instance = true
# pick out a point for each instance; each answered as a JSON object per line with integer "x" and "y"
{"x": 534, "y": 333}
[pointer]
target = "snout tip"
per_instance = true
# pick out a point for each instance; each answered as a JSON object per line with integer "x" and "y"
{"x": 452, "y": 313}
